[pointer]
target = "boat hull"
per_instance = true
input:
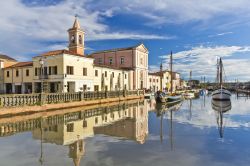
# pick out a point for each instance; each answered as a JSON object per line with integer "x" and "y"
{"x": 221, "y": 94}
{"x": 221, "y": 106}
{"x": 173, "y": 99}
{"x": 160, "y": 97}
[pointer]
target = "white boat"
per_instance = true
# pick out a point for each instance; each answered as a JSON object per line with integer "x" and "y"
{"x": 221, "y": 93}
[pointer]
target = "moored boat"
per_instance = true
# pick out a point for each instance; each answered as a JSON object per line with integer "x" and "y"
{"x": 220, "y": 93}
{"x": 172, "y": 98}
{"x": 160, "y": 97}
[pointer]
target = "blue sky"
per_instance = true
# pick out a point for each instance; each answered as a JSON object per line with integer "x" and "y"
{"x": 196, "y": 31}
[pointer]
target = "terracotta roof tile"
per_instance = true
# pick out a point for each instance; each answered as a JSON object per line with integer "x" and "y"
{"x": 7, "y": 57}
{"x": 57, "y": 52}
{"x": 21, "y": 64}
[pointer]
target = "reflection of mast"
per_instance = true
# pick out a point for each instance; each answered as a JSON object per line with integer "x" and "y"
{"x": 190, "y": 109}
{"x": 220, "y": 124}
{"x": 204, "y": 100}
{"x": 221, "y": 107}
{"x": 171, "y": 130}
{"x": 161, "y": 134}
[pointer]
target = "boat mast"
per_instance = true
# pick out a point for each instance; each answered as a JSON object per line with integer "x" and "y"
{"x": 220, "y": 73}
{"x": 161, "y": 75}
{"x": 171, "y": 73}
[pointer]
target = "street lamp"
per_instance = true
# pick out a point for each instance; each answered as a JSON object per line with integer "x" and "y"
{"x": 41, "y": 61}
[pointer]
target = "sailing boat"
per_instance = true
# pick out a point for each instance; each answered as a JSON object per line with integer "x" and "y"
{"x": 171, "y": 99}
{"x": 160, "y": 96}
{"x": 221, "y": 107}
{"x": 221, "y": 93}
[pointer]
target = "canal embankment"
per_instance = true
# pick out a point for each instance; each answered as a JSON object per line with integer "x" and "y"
{"x": 27, "y": 103}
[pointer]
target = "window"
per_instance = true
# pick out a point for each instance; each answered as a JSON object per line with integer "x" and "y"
{"x": 110, "y": 61}
{"x": 8, "y": 73}
{"x": 99, "y": 60}
{"x": 125, "y": 76}
{"x": 150, "y": 80}
{"x": 80, "y": 39}
{"x": 45, "y": 70}
{"x": 36, "y": 71}
{"x": 113, "y": 74}
{"x": 96, "y": 120}
{"x": 122, "y": 60}
{"x": 70, "y": 70}
{"x": 70, "y": 127}
{"x": 17, "y": 73}
{"x": 84, "y": 87}
{"x": 55, "y": 70}
{"x": 106, "y": 74}
{"x": 27, "y": 72}
{"x": 85, "y": 124}
{"x": 84, "y": 71}
{"x": 141, "y": 61}
{"x": 156, "y": 80}
{"x": 96, "y": 73}
{"x": 72, "y": 39}
{"x": 96, "y": 88}
{"x": 52, "y": 70}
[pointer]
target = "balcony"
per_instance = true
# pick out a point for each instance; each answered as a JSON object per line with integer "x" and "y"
{"x": 45, "y": 76}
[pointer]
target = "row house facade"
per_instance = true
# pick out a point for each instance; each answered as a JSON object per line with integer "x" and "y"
{"x": 161, "y": 81}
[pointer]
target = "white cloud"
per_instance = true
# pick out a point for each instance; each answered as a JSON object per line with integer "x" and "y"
{"x": 25, "y": 28}
{"x": 202, "y": 61}
{"x": 220, "y": 34}
{"x": 162, "y": 11}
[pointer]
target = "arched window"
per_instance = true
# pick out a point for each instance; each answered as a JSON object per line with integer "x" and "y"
{"x": 80, "y": 39}
{"x": 72, "y": 39}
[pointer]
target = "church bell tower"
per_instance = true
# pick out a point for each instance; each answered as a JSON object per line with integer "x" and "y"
{"x": 76, "y": 38}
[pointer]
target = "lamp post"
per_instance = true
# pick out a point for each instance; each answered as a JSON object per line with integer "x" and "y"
{"x": 41, "y": 61}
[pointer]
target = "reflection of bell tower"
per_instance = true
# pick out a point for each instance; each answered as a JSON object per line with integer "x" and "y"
{"x": 76, "y": 38}
{"x": 76, "y": 151}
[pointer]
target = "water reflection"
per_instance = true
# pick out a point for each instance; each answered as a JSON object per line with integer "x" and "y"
{"x": 124, "y": 121}
{"x": 163, "y": 111}
{"x": 131, "y": 133}
{"x": 221, "y": 107}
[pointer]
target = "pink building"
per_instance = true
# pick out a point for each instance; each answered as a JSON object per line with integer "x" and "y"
{"x": 134, "y": 58}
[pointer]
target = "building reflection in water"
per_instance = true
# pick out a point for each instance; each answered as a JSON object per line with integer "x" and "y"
{"x": 221, "y": 107}
{"x": 165, "y": 110}
{"x": 125, "y": 121}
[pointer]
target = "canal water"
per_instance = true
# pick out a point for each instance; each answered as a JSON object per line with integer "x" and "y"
{"x": 196, "y": 132}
